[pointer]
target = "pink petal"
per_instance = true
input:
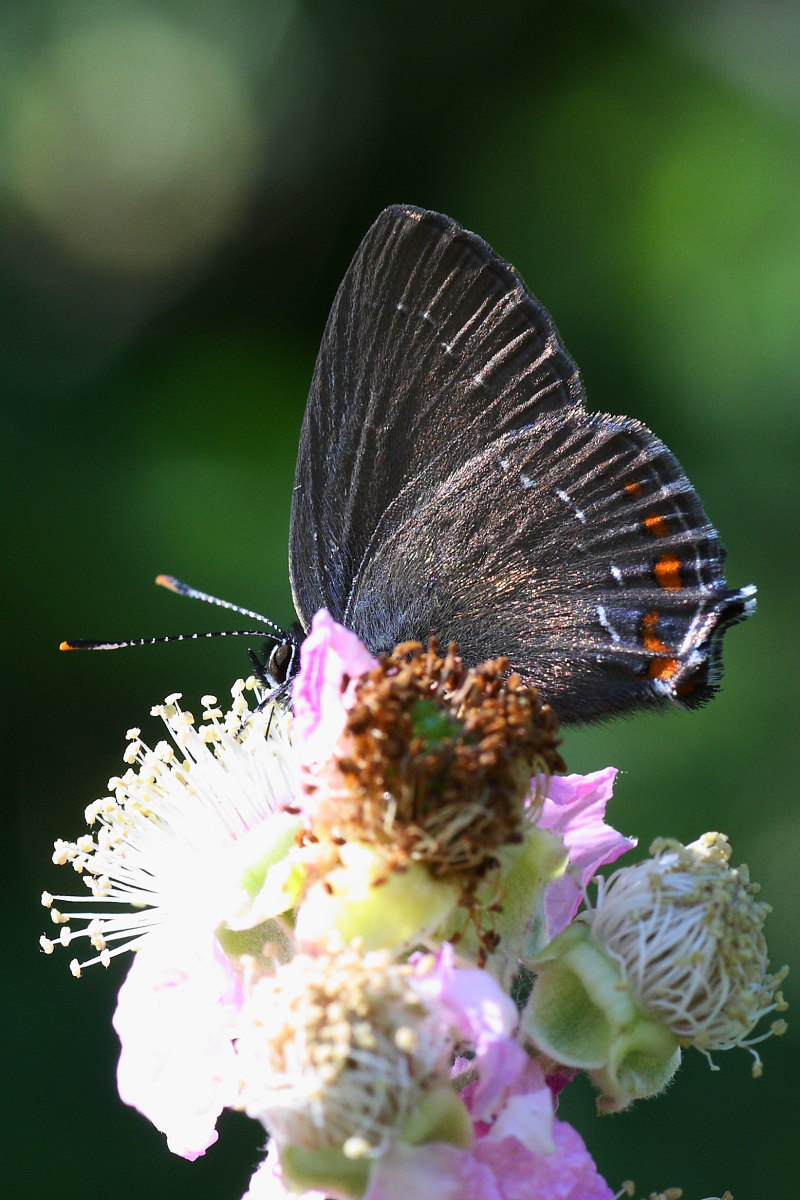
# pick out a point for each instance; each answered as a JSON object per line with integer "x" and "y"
{"x": 494, "y": 1169}
{"x": 431, "y": 1172}
{"x": 526, "y": 1112}
{"x": 174, "y": 1018}
{"x": 477, "y": 1004}
{"x": 330, "y": 657}
{"x": 485, "y": 1016}
{"x": 574, "y": 809}
{"x": 568, "y": 1173}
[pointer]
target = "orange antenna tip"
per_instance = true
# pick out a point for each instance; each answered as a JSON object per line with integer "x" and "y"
{"x": 167, "y": 581}
{"x": 66, "y": 646}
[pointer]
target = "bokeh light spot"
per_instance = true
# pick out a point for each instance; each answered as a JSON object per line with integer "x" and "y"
{"x": 132, "y": 141}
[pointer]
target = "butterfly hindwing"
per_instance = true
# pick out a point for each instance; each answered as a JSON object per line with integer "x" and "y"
{"x": 606, "y": 596}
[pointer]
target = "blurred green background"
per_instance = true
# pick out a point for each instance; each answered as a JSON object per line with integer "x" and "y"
{"x": 183, "y": 185}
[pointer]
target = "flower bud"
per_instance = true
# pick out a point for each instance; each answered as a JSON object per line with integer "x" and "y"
{"x": 672, "y": 955}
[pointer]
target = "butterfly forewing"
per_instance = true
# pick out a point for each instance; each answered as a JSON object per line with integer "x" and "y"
{"x": 451, "y": 483}
{"x": 433, "y": 347}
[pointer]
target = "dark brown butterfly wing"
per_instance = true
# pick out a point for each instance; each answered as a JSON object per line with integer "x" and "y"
{"x": 451, "y": 482}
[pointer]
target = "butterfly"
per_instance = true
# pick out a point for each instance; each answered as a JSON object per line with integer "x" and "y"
{"x": 451, "y": 483}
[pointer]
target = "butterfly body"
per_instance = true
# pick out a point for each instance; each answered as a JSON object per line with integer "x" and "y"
{"x": 450, "y": 482}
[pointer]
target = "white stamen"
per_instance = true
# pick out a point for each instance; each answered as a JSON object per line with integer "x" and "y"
{"x": 687, "y": 930}
{"x": 167, "y": 843}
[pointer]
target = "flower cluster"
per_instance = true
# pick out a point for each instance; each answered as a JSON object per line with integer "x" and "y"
{"x": 358, "y": 921}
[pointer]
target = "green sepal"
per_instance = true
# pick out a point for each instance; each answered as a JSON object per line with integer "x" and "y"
{"x": 328, "y": 1171}
{"x": 284, "y": 829}
{"x": 272, "y": 938}
{"x": 518, "y": 884}
{"x": 583, "y": 1013}
{"x": 439, "y": 1116}
{"x": 643, "y": 1061}
{"x": 363, "y": 901}
{"x": 526, "y": 871}
{"x": 272, "y": 874}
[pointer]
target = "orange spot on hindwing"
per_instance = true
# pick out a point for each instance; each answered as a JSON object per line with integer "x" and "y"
{"x": 657, "y": 525}
{"x": 633, "y": 488}
{"x": 667, "y": 570}
{"x": 663, "y": 665}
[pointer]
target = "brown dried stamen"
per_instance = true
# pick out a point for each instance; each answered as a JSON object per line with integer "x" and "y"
{"x": 438, "y": 760}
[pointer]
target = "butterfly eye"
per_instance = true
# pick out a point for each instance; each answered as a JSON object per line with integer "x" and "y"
{"x": 280, "y": 662}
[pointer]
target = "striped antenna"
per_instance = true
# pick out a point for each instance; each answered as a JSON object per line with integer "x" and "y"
{"x": 99, "y": 644}
{"x": 183, "y": 589}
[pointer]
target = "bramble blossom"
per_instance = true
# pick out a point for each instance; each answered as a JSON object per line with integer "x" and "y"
{"x": 359, "y": 922}
{"x": 185, "y": 844}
